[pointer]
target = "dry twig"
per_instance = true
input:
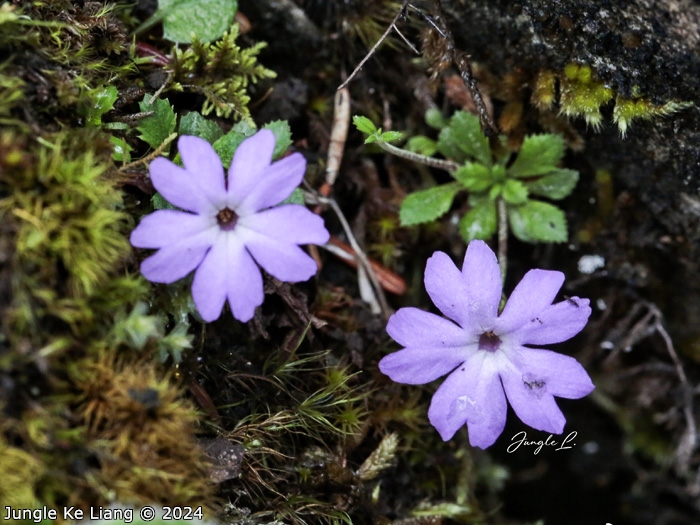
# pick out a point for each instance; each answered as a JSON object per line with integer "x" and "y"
{"x": 377, "y": 44}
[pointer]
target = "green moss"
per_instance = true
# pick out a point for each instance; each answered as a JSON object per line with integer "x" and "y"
{"x": 627, "y": 110}
{"x": 19, "y": 472}
{"x": 69, "y": 229}
{"x": 583, "y": 95}
{"x": 221, "y": 71}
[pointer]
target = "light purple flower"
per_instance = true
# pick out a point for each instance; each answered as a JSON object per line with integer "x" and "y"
{"x": 484, "y": 353}
{"x": 231, "y": 226}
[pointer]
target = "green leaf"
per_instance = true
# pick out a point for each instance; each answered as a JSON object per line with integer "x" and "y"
{"x": 422, "y": 145}
{"x": 121, "y": 151}
{"x": 514, "y": 192}
{"x": 475, "y": 177}
{"x": 156, "y": 128}
{"x": 246, "y": 127}
{"x": 434, "y": 119}
{"x": 555, "y": 185}
{"x": 208, "y": 19}
{"x": 464, "y": 139}
{"x": 480, "y": 222}
{"x": 364, "y": 124}
{"x": 537, "y": 221}
{"x": 390, "y": 136}
{"x": 427, "y": 205}
{"x": 539, "y": 154}
{"x": 297, "y": 197}
{"x": 159, "y": 203}
{"x": 195, "y": 124}
{"x": 227, "y": 145}
{"x": 374, "y": 137}
{"x": 97, "y": 102}
{"x": 283, "y": 136}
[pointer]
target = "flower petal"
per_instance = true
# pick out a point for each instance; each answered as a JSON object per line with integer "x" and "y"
{"x": 530, "y": 396}
{"x": 290, "y": 223}
{"x": 227, "y": 271}
{"x": 245, "y": 291}
{"x": 483, "y": 278}
{"x": 174, "y": 261}
{"x": 285, "y": 261}
{"x": 562, "y": 374}
{"x": 414, "y": 328}
{"x": 179, "y": 187}
{"x": 209, "y": 284}
{"x": 164, "y": 227}
{"x": 251, "y": 159}
{"x": 534, "y": 293}
{"x": 204, "y": 165}
{"x": 556, "y": 323}
{"x": 471, "y": 394}
{"x": 274, "y": 184}
{"x": 471, "y": 296}
{"x": 417, "y": 366}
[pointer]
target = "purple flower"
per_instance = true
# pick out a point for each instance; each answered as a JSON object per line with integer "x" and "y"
{"x": 484, "y": 353}
{"x": 231, "y": 226}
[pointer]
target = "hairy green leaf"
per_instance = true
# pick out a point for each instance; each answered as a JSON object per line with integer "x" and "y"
{"x": 390, "y": 136}
{"x": 556, "y": 184}
{"x": 159, "y": 203}
{"x": 422, "y": 145}
{"x": 283, "y": 136}
{"x": 463, "y": 139}
{"x": 226, "y": 146}
{"x": 297, "y": 197}
{"x": 364, "y": 124}
{"x": 537, "y": 221}
{"x": 97, "y": 102}
{"x": 195, "y": 124}
{"x": 157, "y": 127}
{"x": 427, "y": 205}
{"x": 434, "y": 119}
{"x": 514, "y": 192}
{"x": 539, "y": 154}
{"x": 208, "y": 19}
{"x": 475, "y": 177}
{"x": 121, "y": 151}
{"x": 479, "y": 222}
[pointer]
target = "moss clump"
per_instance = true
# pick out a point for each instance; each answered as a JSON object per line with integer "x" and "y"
{"x": 70, "y": 233}
{"x": 141, "y": 430}
{"x": 19, "y": 472}
{"x": 221, "y": 71}
{"x": 582, "y": 94}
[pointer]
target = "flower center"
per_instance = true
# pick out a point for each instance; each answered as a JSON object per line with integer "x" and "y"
{"x": 227, "y": 219}
{"x": 489, "y": 342}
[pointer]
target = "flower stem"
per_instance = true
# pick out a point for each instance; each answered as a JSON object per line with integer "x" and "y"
{"x": 446, "y": 165}
{"x": 502, "y": 237}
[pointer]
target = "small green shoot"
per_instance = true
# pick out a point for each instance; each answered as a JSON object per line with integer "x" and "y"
{"x": 488, "y": 176}
{"x": 375, "y": 134}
